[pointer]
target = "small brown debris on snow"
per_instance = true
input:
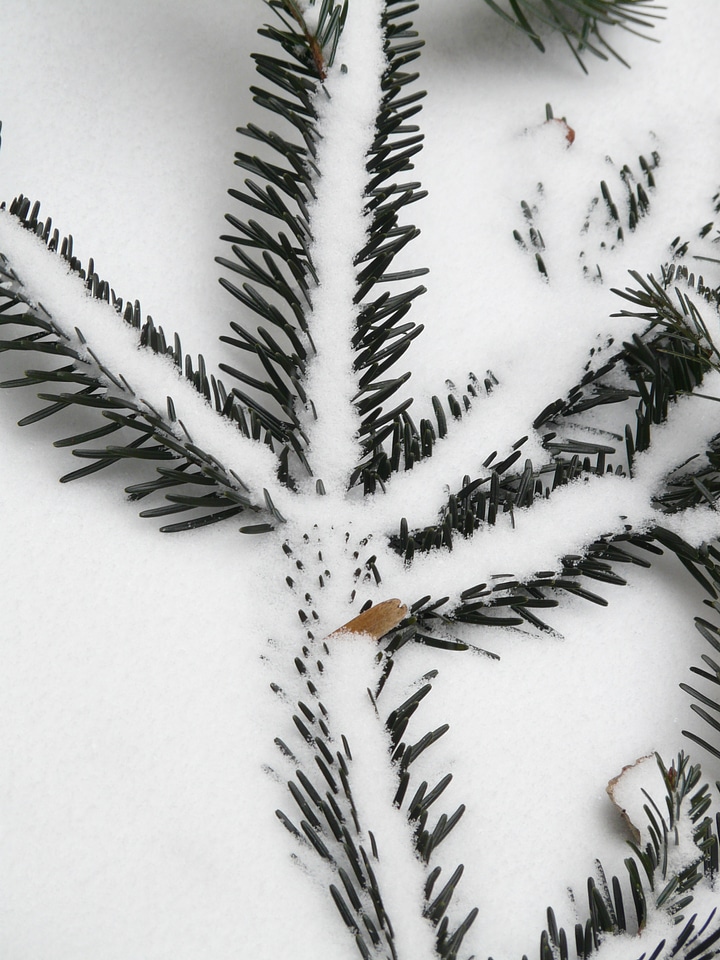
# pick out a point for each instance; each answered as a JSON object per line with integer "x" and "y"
{"x": 611, "y": 788}
{"x": 375, "y": 622}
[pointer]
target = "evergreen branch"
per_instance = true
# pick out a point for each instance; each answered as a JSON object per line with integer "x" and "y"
{"x": 279, "y": 262}
{"x": 330, "y": 824}
{"x": 152, "y": 337}
{"x": 389, "y": 438}
{"x": 578, "y": 21}
{"x": 480, "y": 500}
{"x": 141, "y": 433}
{"x": 659, "y": 376}
{"x": 506, "y": 601}
{"x": 383, "y": 332}
{"x": 334, "y": 814}
{"x": 666, "y": 362}
{"x": 417, "y": 805}
{"x": 382, "y": 335}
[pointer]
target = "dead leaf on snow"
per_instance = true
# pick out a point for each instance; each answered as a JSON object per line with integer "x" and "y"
{"x": 375, "y": 622}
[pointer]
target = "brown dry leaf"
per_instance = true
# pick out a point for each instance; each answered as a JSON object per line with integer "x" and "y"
{"x": 569, "y": 132}
{"x": 612, "y": 784}
{"x": 375, "y": 622}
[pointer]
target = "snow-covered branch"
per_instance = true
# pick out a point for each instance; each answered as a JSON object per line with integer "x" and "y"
{"x": 348, "y": 105}
{"x": 97, "y": 332}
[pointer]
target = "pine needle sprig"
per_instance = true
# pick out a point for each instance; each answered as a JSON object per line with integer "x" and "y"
{"x": 330, "y": 825}
{"x": 384, "y": 331}
{"x": 281, "y": 262}
{"x": 579, "y": 21}
{"x": 417, "y": 804}
{"x": 142, "y": 434}
{"x": 711, "y": 674}
{"x": 286, "y": 268}
{"x": 669, "y": 360}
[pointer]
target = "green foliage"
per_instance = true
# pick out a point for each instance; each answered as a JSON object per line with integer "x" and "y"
{"x": 711, "y": 633}
{"x": 149, "y": 437}
{"x": 579, "y": 21}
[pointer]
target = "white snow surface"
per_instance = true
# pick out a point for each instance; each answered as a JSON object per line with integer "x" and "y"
{"x": 139, "y": 776}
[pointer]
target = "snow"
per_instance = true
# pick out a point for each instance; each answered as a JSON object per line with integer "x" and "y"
{"x": 136, "y": 819}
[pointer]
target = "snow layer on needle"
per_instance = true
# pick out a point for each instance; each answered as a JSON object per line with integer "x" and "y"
{"x": 493, "y": 423}
{"x": 47, "y": 280}
{"x": 347, "y": 124}
{"x": 573, "y": 517}
{"x": 577, "y": 514}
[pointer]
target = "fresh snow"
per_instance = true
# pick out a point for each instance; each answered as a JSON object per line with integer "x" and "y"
{"x": 139, "y": 775}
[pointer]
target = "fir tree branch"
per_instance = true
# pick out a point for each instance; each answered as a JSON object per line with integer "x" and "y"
{"x": 579, "y": 21}
{"x": 143, "y": 431}
{"x": 291, "y": 418}
{"x": 281, "y": 264}
{"x": 330, "y": 824}
{"x": 710, "y": 674}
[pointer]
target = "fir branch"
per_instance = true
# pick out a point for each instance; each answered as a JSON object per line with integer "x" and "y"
{"x": 142, "y": 433}
{"x": 660, "y": 368}
{"x": 383, "y": 331}
{"x": 711, "y": 674}
{"x": 332, "y": 817}
{"x": 579, "y": 21}
{"x": 330, "y": 824}
{"x": 417, "y": 802}
{"x": 281, "y": 264}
